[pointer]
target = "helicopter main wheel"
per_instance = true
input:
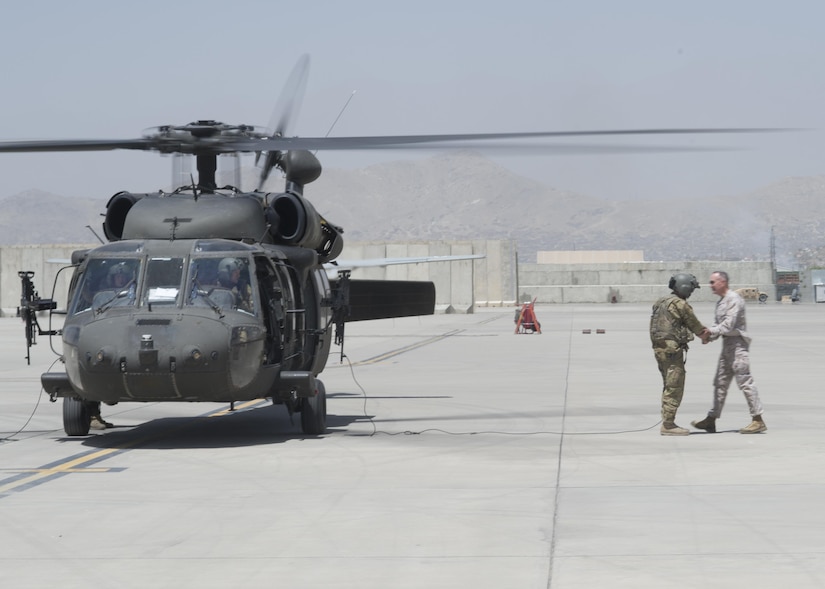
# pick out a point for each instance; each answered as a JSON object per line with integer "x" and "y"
{"x": 314, "y": 412}
{"x": 76, "y": 417}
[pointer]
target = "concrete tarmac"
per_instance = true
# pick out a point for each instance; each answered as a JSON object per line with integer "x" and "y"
{"x": 458, "y": 455}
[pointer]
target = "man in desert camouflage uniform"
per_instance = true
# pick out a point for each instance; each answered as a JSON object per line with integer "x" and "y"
{"x": 734, "y": 360}
{"x": 672, "y": 325}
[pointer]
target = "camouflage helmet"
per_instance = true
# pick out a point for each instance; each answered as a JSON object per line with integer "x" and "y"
{"x": 683, "y": 284}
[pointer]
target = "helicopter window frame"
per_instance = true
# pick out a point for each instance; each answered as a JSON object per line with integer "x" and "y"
{"x": 273, "y": 313}
{"x": 215, "y": 284}
{"x": 158, "y": 285}
{"x": 272, "y": 287}
{"x": 292, "y": 300}
{"x": 96, "y": 285}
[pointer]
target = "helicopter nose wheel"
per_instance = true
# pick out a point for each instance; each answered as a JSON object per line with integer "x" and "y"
{"x": 77, "y": 417}
{"x": 314, "y": 412}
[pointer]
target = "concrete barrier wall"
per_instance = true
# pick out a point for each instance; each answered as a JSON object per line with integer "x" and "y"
{"x": 458, "y": 285}
{"x": 632, "y": 282}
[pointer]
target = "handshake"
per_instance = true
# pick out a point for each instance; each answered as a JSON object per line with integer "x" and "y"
{"x": 705, "y": 335}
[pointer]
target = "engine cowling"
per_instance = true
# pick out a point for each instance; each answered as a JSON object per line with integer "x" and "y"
{"x": 117, "y": 209}
{"x": 300, "y": 224}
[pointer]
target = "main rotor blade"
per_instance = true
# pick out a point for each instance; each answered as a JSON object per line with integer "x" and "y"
{"x": 182, "y": 142}
{"x": 557, "y": 149}
{"x": 471, "y": 139}
{"x": 75, "y": 145}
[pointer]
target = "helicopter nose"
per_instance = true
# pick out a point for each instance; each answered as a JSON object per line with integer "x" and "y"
{"x": 165, "y": 358}
{"x": 151, "y": 359}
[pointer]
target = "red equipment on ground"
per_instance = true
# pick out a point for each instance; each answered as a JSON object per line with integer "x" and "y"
{"x": 526, "y": 320}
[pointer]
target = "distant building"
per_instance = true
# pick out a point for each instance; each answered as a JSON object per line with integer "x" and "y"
{"x": 590, "y": 256}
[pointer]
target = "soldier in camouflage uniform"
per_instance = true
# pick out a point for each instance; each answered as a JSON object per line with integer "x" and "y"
{"x": 672, "y": 325}
{"x": 734, "y": 360}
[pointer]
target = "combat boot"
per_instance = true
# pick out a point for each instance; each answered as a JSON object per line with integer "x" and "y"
{"x": 98, "y": 422}
{"x": 757, "y": 426}
{"x": 669, "y": 428}
{"x": 708, "y": 424}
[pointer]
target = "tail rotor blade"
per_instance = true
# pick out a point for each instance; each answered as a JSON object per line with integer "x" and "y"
{"x": 285, "y": 113}
{"x": 289, "y": 102}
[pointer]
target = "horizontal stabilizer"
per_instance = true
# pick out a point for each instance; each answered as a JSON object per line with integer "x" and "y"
{"x": 383, "y": 299}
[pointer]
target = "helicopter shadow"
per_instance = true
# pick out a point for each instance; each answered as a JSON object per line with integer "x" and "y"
{"x": 260, "y": 426}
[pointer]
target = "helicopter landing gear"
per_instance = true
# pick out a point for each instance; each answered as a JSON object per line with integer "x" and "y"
{"x": 314, "y": 412}
{"x": 76, "y": 416}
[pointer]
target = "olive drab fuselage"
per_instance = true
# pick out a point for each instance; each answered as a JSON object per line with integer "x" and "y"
{"x": 175, "y": 332}
{"x": 215, "y": 296}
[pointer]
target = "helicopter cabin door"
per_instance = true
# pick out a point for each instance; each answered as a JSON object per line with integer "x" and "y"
{"x": 272, "y": 295}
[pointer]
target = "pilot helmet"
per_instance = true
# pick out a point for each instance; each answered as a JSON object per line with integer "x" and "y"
{"x": 121, "y": 269}
{"x": 229, "y": 265}
{"x": 683, "y": 284}
{"x": 226, "y": 268}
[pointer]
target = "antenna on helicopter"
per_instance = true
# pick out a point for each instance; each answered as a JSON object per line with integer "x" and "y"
{"x": 343, "y": 108}
{"x": 340, "y": 112}
{"x": 89, "y": 227}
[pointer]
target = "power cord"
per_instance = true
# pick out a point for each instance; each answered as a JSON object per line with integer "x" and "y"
{"x": 376, "y": 431}
{"x": 34, "y": 411}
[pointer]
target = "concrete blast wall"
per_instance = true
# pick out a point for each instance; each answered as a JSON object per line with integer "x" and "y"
{"x": 490, "y": 281}
{"x": 632, "y": 282}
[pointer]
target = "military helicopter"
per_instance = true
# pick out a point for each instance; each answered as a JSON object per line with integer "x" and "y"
{"x": 216, "y": 294}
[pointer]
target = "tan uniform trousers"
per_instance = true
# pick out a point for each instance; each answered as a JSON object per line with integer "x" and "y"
{"x": 734, "y": 361}
{"x": 671, "y": 361}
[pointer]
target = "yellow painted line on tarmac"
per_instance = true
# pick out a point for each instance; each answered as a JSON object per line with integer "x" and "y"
{"x": 52, "y": 470}
{"x": 243, "y": 405}
{"x": 62, "y": 468}
{"x": 75, "y": 465}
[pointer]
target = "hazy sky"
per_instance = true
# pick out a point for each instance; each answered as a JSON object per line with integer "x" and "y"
{"x": 103, "y": 69}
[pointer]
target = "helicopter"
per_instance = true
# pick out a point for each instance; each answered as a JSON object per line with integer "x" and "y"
{"x": 215, "y": 294}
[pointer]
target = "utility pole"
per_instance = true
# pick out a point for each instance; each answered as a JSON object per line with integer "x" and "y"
{"x": 773, "y": 253}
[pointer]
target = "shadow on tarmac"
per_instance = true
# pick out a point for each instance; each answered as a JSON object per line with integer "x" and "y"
{"x": 252, "y": 427}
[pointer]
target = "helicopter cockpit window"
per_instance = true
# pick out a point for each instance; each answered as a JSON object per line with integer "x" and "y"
{"x": 221, "y": 282}
{"x": 106, "y": 283}
{"x": 163, "y": 281}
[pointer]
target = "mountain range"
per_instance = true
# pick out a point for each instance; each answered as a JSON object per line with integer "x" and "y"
{"x": 467, "y": 196}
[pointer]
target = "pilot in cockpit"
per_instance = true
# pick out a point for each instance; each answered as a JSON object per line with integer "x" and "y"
{"x": 234, "y": 276}
{"x": 120, "y": 275}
